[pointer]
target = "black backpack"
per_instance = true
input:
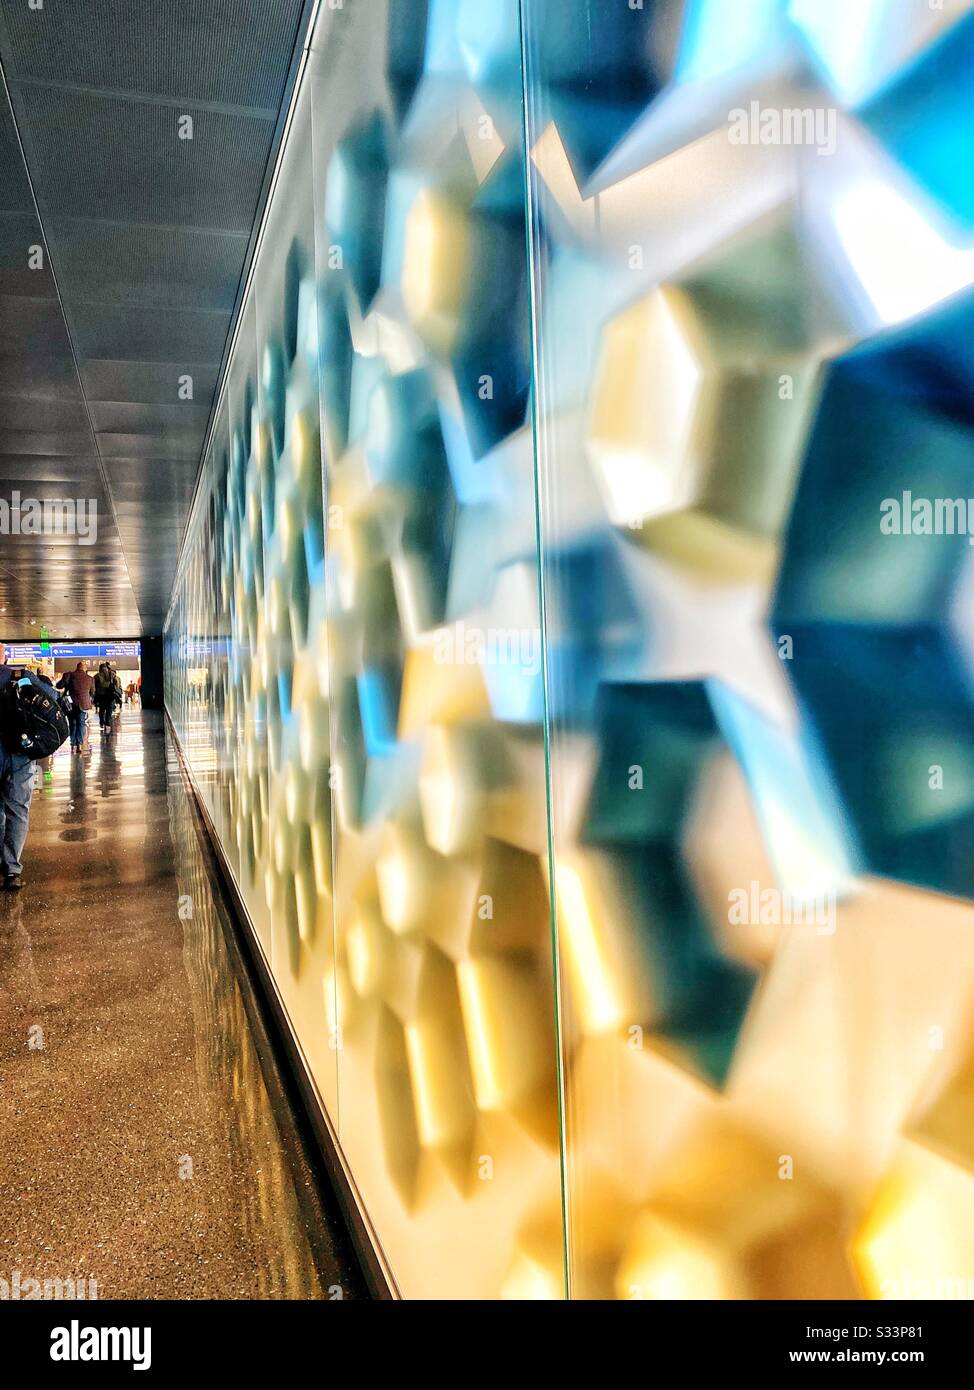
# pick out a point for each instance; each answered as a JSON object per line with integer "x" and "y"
{"x": 32, "y": 721}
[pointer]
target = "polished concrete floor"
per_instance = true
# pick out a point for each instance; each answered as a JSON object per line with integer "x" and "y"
{"x": 139, "y": 1142}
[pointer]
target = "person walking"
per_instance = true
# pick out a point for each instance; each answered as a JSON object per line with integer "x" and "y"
{"x": 16, "y": 789}
{"x": 104, "y": 695}
{"x": 79, "y": 686}
{"x": 117, "y": 695}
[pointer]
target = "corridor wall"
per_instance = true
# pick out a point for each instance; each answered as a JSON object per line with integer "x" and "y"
{"x": 565, "y": 718}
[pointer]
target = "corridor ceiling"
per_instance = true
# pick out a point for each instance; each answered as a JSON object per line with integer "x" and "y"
{"x": 123, "y": 243}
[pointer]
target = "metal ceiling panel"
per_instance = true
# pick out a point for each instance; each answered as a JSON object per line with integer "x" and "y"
{"x": 165, "y": 335}
{"x": 134, "y": 417}
{"x": 42, "y": 376}
{"x": 148, "y": 382}
{"x": 171, "y": 444}
{"x": 135, "y": 481}
{"x": 132, "y": 166}
{"x": 21, "y": 413}
{"x": 234, "y": 52}
{"x": 62, "y": 469}
{"x": 168, "y": 266}
{"x": 29, "y": 326}
{"x": 45, "y": 442}
{"x": 15, "y": 194}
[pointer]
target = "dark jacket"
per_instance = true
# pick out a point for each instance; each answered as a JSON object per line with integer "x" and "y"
{"x": 79, "y": 685}
{"x": 108, "y": 688}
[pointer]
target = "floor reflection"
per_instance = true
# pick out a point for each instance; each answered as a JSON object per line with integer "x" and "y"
{"x": 138, "y": 1139}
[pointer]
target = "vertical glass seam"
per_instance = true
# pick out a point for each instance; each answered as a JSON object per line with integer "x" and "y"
{"x": 532, "y": 246}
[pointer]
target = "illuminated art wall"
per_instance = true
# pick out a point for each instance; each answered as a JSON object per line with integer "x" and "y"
{"x": 630, "y": 950}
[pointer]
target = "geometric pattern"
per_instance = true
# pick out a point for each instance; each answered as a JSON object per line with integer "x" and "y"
{"x": 536, "y": 609}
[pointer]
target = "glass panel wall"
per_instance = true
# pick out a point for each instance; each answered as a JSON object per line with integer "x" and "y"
{"x": 629, "y": 948}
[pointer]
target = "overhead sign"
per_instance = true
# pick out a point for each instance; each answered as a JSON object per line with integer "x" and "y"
{"x": 81, "y": 651}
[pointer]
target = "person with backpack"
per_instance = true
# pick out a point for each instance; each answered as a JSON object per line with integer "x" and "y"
{"x": 107, "y": 693}
{"x": 32, "y": 725}
{"x": 78, "y": 686}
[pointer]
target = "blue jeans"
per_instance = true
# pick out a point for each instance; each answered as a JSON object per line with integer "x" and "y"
{"x": 78, "y": 721}
{"x": 16, "y": 788}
